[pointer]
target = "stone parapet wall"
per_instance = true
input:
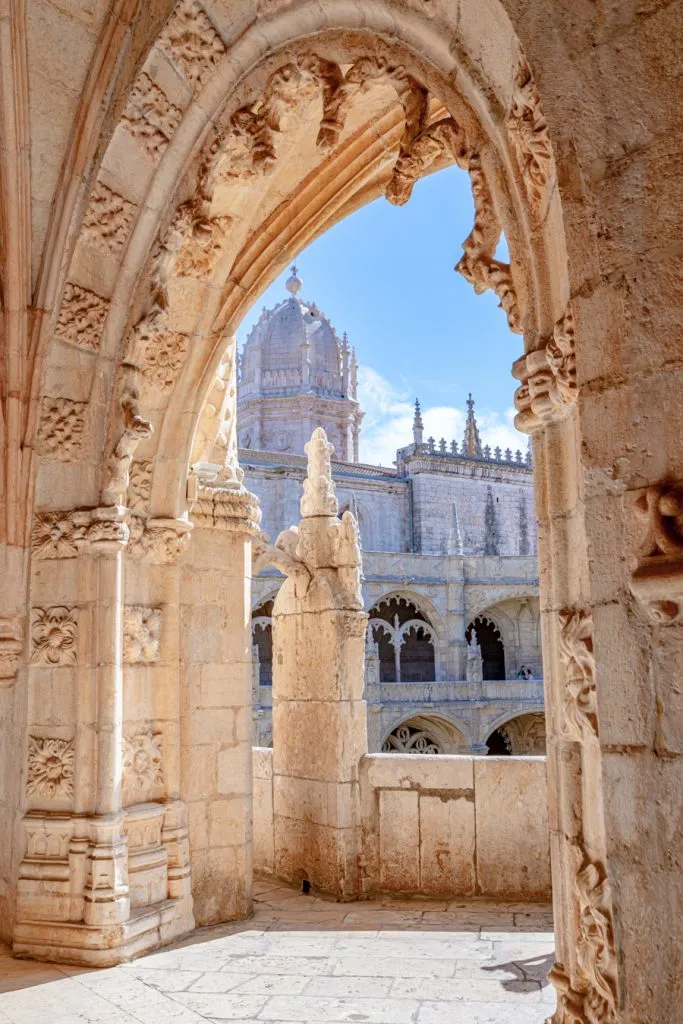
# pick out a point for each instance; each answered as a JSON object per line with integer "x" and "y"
{"x": 447, "y": 826}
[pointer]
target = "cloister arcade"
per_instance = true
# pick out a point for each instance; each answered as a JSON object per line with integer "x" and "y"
{"x": 192, "y": 150}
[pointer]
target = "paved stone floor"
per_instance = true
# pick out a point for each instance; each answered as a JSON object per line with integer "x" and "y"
{"x": 301, "y": 959}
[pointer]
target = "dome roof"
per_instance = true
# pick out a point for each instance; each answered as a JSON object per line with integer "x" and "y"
{"x": 276, "y": 343}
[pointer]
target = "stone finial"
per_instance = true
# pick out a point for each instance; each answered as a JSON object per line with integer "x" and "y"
{"x": 294, "y": 284}
{"x": 354, "y": 375}
{"x": 442, "y": 445}
{"x": 319, "y": 498}
{"x": 471, "y": 444}
{"x": 418, "y": 425}
{"x": 498, "y": 454}
{"x": 487, "y": 451}
{"x": 431, "y": 443}
{"x": 454, "y": 447}
{"x": 508, "y": 455}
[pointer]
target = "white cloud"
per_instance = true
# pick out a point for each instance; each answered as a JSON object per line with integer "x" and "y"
{"x": 388, "y": 422}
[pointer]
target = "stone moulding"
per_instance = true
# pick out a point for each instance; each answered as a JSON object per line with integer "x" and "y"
{"x": 548, "y": 388}
{"x": 657, "y": 579}
{"x": 50, "y": 768}
{"x": 224, "y": 508}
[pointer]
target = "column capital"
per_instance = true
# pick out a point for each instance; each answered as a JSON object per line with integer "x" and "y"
{"x": 548, "y": 379}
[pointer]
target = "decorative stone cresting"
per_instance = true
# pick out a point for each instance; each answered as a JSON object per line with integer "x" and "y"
{"x": 141, "y": 634}
{"x": 54, "y": 632}
{"x": 548, "y": 375}
{"x": 657, "y": 580}
{"x": 82, "y": 317}
{"x": 62, "y": 423}
{"x": 142, "y": 764}
{"x": 50, "y": 768}
{"x": 576, "y": 650}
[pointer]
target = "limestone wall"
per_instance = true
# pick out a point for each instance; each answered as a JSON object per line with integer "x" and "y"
{"x": 449, "y": 825}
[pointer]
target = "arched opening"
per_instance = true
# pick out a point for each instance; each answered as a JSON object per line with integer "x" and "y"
{"x": 423, "y": 734}
{"x": 487, "y": 635}
{"x": 519, "y": 736}
{"x": 262, "y": 638}
{"x": 405, "y": 639}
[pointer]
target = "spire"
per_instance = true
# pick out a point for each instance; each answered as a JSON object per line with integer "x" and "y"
{"x": 294, "y": 284}
{"x": 319, "y": 498}
{"x": 471, "y": 441}
{"x": 353, "y": 377}
{"x": 418, "y": 425}
{"x": 455, "y": 537}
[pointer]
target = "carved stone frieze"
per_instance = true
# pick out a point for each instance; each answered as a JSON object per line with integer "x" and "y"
{"x": 11, "y": 645}
{"x": 224, "y": 508}
{"x": 657, "y": 579}
{"x": 107, "y": 220}
{"x": 576, "y": 650}
{"x": 140, "y": 486}
{"x": 191, "y": 42}
{"x": 62, "y": 425}
{"x": 141, "y": 634}
{"x": 161, "y": 541}
{"x": 82, "y": 317}
{"x": 104, "y": 527}
{"x": 150, "y": 116}
{"x": 142, "y": 764}
{"x": 54, "y": 634}
{"x": 528, "y": 131}
{"x": 54, "y": 535}
{"x": 548, "y": 375}
{"x": 50, "y": 767}
{"x": 132, "y": 428}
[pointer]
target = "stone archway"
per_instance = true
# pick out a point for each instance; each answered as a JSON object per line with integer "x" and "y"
{"x": 153, "y": 278}
{"x": 424, "y": 734}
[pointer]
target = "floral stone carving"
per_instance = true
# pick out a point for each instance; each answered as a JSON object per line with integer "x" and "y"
{"x": 142, "y": 762}
{"x": 82, "y": 317}
{"x": 107, "y": 220}
{"x": 141, "y": 633}
{"x": 54, "y": 632}
{"x": 54, "y": 535}
{"x": 133, "y": 429}
{"x": 50, "y": 767}
{"x": 150, "y": 116}
{"x": 576, "y": 651}
{"x": 191, "y": 42}
{"x": 528, "y": 132}
{"x": 11, "y": 645}
{"x": 140, "y": 486}
{"x": 62, "y": 423}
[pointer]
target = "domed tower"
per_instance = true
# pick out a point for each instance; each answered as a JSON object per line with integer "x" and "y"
{"x": 296, "y": 374}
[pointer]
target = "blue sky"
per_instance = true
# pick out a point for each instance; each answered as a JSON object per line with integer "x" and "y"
{"x": 385, "y": 276}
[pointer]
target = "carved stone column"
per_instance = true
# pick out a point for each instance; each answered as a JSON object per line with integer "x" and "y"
{"x": 585, "y": 971}
{"x": 319, "y": 715}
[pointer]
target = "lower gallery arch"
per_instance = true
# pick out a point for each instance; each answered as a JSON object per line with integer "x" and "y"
{"x": 264, "y": 139}
{"x": 425, "y": 734}
{"x": 519, "y": 735}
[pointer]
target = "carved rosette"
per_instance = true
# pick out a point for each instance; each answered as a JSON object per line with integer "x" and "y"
{"x": 143, "y": 772}
{"x": 657, "y": 579}
{"x": 576, "y": 650}
{"x": 54, "y": 633}
{"x": 141, "y": 634}
{"x": 53, "y": 535}
{"x": 548, "y": 387}
{"x": 50, "y": 767}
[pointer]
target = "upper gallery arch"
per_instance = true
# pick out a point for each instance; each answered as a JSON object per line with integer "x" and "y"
{"x": 227, "y": 158}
